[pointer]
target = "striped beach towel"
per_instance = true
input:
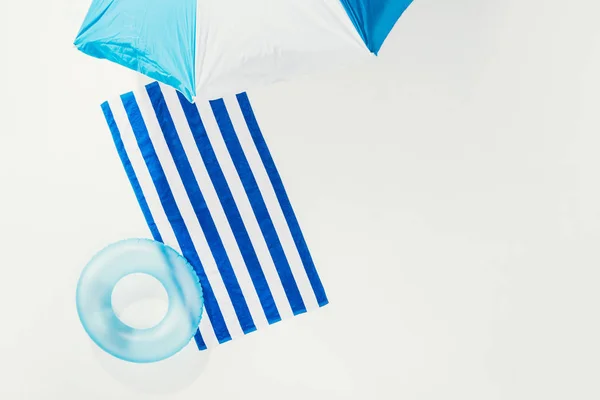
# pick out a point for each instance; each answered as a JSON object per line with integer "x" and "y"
{"x": 208, "y": 187}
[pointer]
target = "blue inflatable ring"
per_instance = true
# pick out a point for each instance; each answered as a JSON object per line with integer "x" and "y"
{"x": 94, "y": 305}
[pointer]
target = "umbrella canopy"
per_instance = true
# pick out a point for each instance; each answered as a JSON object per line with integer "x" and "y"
{"x": 214, "y": 48}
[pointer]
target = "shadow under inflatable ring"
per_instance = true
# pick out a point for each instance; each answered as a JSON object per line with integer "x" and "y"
{"x": 94, "y": 304}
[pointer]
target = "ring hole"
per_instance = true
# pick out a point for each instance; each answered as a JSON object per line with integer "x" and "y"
{"x": 140, "y": 301}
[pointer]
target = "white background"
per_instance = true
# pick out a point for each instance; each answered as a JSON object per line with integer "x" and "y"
{"x": 449, "y": 192}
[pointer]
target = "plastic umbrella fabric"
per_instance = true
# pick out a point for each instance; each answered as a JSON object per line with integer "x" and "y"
{"x": 214, "y": 48}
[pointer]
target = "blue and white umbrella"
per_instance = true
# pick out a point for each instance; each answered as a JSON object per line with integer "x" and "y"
{"x": 216, "y": 48}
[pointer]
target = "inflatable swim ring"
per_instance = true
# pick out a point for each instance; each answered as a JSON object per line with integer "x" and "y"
{"x": 131, "y": 256}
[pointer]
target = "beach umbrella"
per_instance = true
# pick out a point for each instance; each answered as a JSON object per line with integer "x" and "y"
{"x": 215, "y": 48}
